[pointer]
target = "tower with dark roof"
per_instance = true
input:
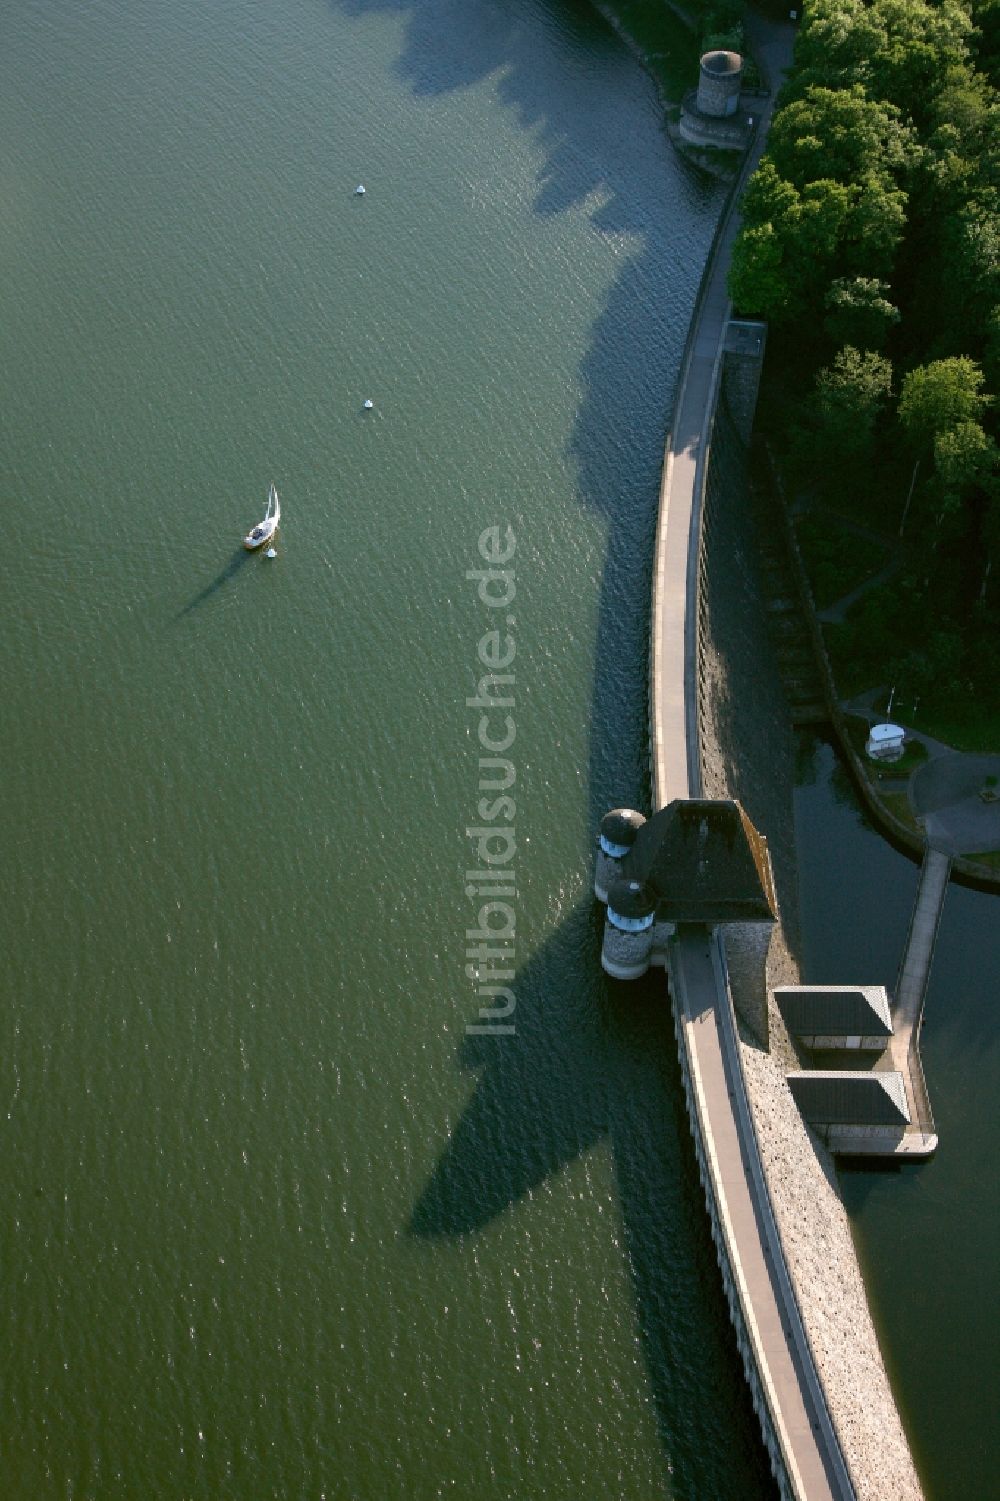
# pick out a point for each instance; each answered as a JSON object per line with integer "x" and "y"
{"x": 698, "y": 860}
{"x": 615, "y": 838}
{"x": 628, "y": 929}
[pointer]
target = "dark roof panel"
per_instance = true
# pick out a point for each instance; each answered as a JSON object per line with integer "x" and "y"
{"x": 705, "y": 862}
{"x": 835, "y": 1010}
{"x": 621, "y": 825}
{"x": 845, "y": 1098}
{"x": 629, "y": 899}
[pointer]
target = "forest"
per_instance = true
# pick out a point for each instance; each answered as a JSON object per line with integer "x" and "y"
{"x": 871, "y": 245}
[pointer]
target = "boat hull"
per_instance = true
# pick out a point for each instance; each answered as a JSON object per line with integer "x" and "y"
{"x": 260, "y": 535}
{"x": 265, "y": 530}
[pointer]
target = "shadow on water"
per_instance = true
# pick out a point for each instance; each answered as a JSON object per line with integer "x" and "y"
{"x": 236, "y": 563}
{"x": 582, "y": 1067}
{"x": 602, "y": 1063}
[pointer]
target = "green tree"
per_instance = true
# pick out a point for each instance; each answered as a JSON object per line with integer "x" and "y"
{"x": 859, "y": 312}
{"x": 757, "y": 281}
{"x": 964, "y": 456}
{"x": 939, "y": 396}
{"x": 974, "y": 273}
{"x": 920, "y": 42}
{"x": 932, "y": 669}
{"x": 843, "y": 135}
{"x": 768, "y": 198}
{"x": 897, "y": 50}
{"x": 849, "y": 396}
{"x": 817, "y": 227}
{"x": 991, "y": 348}
{"x": 874, "y": 227}
{"x": 795, "y": 241}
{"x": 835, "y": 41}
{"x": 990, "y": 538}
{"x": 967, "y": 105}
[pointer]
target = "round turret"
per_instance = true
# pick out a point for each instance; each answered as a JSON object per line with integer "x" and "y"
{"x": 719, "y": 83}
{"x": 620, "y": 826}
{"x": 629, "y": 903}
{"x": 628, "y": 930}
{"x": 614, "y": 840}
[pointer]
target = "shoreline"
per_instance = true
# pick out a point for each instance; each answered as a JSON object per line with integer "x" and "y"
{"x": 967, "y": 869}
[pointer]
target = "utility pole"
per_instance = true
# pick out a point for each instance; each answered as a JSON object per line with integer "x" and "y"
{"x": 909, "y": 497}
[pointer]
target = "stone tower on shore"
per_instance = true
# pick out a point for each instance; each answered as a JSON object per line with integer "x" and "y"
{"x": 719, "y": 82}
{"x": 711, "y": 114}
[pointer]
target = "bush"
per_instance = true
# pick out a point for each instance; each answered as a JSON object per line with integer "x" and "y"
{"x": 751, "y": 74}
{"x": 723, "y": 41}
{"x": 724, "y": 15}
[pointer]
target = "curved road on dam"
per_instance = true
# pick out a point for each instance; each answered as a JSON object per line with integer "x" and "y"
{"x": 805, "y": 1452}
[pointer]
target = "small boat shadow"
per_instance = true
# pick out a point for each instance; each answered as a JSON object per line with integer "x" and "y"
{"x": 239, "y": 559}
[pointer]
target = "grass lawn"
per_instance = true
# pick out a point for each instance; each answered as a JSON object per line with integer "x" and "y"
{"x": 990, "y": 861}
{"x": 669, "y": 48}
{"x": 898, "y": 804}
{"x": 913, "y": 756}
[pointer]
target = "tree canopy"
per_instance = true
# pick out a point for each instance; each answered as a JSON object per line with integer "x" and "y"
{"x": 871, "y": 243}
{"x": 939, "y": 396}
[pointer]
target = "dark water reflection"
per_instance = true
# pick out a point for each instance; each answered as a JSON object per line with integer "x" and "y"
{"x": 572, "y": 1075}
{"x": 236, "y": 563}
{"x": 926, "y": 1235}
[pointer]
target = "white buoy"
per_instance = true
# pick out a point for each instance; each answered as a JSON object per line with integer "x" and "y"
{"x": 359, "y": 191}
{"x": 368, "y": 404}
{"x": 270, "y": 553}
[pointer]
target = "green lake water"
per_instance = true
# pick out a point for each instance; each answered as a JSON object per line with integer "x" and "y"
{"x": 274, "y": 1224}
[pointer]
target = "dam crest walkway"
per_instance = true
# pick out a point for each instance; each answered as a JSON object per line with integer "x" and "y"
{"x": 805, "y": 1452}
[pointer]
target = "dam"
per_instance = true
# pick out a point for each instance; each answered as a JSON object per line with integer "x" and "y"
{"x": 716, "y": 966}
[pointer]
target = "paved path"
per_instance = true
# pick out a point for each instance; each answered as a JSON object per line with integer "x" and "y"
{"x": 798, "y": 1410}
{"x": 945, "y": 794}
{"x": 673, "y": 663}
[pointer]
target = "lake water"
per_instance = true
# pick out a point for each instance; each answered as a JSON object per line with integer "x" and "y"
{"x": 274, "y": 1224}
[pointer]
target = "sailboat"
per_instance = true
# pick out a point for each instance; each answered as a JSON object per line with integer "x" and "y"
{"x": 266, "y": 529}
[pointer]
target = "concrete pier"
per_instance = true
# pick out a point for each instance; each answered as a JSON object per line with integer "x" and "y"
{"x": 915, "y": 968}
{"x": 911, "y": 989}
